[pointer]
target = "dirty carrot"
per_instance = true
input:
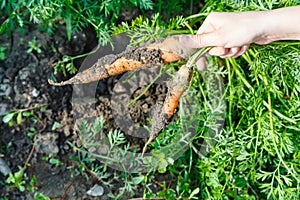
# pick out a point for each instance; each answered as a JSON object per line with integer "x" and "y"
{"x": 115, "y": 64}
{"x": 176, "y": 87}
{"x": 98, "y": 72}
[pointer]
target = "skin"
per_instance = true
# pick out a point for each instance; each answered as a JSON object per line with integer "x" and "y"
{"x": 231, "y": 33}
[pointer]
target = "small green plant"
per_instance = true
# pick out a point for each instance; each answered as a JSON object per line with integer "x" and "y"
{"x": 2, "y": 53}
{"x": 158, "y": 159}
{"x": 32, "y": 132}
{"x": 34, "y": 46}
{"x": 130, "y": 184}
{"x": 52, "y": 160}
{"x": 67, "y": 64}
{"x": 17, "y": 115}
{"x": 18, "y": 179}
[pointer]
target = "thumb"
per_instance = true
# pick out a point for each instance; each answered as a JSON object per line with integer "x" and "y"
{"x": 198, "y": 40}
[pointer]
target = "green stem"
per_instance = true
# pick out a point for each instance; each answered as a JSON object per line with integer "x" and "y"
{"x": 189, "y": 27}
{"x": 231, "y": 93}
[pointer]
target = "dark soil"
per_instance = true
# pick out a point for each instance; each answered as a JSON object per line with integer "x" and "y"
{"x": 24, "y": 85}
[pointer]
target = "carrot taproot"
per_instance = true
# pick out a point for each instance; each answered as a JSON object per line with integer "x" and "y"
{"x": 115, "y": 64}
{"x": 176, "y": 87}
{"x": 98, "y": 72}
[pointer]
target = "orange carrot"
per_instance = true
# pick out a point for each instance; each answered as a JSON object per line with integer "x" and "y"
{"x": 127, "y": 60}
{"x": 176, "y": 88}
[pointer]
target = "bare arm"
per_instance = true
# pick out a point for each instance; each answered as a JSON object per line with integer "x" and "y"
{"x": 284, "y": 24}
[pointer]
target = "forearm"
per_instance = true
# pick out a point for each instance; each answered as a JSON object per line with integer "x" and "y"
{"x": 283, "y": 24}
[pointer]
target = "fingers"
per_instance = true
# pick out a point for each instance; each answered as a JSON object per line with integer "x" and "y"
{"x": 228, "y": 52}
{"x": 243, "y": 49}
{"x": 223, "y": 53}
{"x": 218, "y": 51}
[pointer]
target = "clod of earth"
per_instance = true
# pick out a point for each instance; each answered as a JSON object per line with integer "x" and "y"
{"x": 4, "y": 169}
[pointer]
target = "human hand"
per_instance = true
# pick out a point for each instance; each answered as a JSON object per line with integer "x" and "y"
{"x": 231, "y": 33}
{"x": 228, "y": 33}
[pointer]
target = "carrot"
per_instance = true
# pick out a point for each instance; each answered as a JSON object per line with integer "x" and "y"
{"x": 98, "y": 72}
{"x": 116, "y": 64}
{"x": 176, "y": 88}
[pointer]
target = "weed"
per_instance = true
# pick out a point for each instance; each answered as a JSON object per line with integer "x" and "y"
{"x": 2, "y": 53}
{"x": 17, "y": 115}
{"x": 33, "y": 46}
{"x": 32, "y": 132}
{"x": 52, "y": 160}
{"x": 19, "y": 179}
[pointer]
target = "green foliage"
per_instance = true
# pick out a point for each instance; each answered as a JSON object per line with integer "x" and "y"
{"x": 52, "y": 160}
{"x": 67, "y": 64}
{"x": 144, "y": 30}
{"x": 158, "y": 159}
{"x": 85, "y": 160}
{"x": 238, "y": 5}
{"x": 76, "y": 15}
{"x": 257, "y": 154}
{"x": 32, "y": 132}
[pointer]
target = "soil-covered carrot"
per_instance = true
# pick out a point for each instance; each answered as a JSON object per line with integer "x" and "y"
{"x": 111, "y": 65}
{"x": 176, "y": 87}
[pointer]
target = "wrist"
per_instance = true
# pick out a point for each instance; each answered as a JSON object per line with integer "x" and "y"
{"x": 281, "y": 24}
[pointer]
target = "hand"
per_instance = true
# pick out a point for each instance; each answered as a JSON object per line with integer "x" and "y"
{"x": 231, "y": 33}
{"x": 228, "y": 33}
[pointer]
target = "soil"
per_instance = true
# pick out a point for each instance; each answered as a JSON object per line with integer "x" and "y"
{"x": 24, "y": 85}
